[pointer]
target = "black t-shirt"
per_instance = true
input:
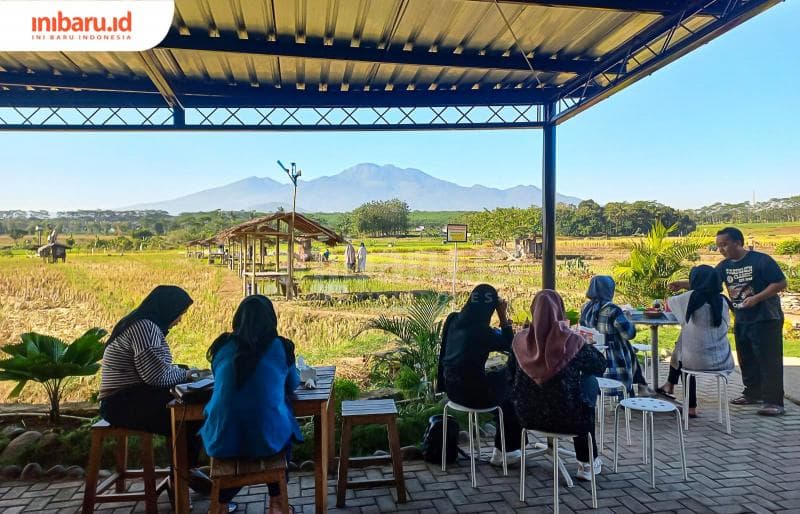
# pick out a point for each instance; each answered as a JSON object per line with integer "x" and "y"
{"x": 747, "y": 277}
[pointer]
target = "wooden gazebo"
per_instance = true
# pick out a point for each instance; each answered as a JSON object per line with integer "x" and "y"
{"x": 248, "y": 243}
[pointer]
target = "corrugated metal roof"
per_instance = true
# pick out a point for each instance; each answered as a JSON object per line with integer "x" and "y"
{"x": 255, "y": 48}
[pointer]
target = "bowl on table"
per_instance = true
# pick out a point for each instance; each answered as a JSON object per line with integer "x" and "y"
{"x": 652, "y": 313}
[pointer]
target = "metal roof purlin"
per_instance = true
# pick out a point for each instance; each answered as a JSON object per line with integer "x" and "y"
{"x": 660, "y": 7}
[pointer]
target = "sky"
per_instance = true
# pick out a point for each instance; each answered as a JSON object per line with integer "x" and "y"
{"x": 719, "y": 124}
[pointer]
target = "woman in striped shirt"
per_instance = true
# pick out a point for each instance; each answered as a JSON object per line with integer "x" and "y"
{"x": 138, "y": 372}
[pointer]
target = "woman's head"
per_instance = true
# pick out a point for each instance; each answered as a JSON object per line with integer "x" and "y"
{"x": 481, "y": 304}
{"x": 601, "y": 288}
{"x": 705, "y": 278}
{"x": 547, "y": 306}
{"x": 164, "y": 306}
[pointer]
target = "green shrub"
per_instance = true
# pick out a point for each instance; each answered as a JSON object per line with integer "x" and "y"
{"x": 344, "y": 389}
{"x": 408, "y": 381}
{"x": 788, "y": 247}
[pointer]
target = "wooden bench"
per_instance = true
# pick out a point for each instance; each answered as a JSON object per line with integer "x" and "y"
{"x": 93, "y": 493}
{"x": 227, "y": 473}
{"x": 368, "y": 412}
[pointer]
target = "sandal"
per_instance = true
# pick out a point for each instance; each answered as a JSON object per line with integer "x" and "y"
{"x": 744, "y": 400}
{"x": 660, "y": 391}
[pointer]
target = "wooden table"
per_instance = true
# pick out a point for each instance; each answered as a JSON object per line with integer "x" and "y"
{"x": 308, "y": 402}
{"x": 667, "y": 318}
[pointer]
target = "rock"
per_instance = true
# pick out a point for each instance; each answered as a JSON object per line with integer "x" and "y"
{"x": 103, "y": 473}
{"x": 20, "y": 445}
{"x": 411, "y": 453}
{"x": 463, "y": 437}
{"x": 380, "y": 453}
{"x": 12, "y": 431}
{"x": 75, "y": 472}
{"x": 383, "y": 393}
{"x": 49, "y": 441}
{"x": 56, "y": 472}
{"x": 31, "y": 471}
{"x": 10, "y": 472}
{"x": 489, "y": 429}
{"x": 292, "y": 466}
{"x": 307, "y": 466}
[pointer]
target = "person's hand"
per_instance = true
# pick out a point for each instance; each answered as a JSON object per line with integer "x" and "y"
{"x": 748, "y": 303}
{"x": 502, "y": 308}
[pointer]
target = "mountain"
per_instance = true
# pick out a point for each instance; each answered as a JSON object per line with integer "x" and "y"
{"x": 353, "y": 187}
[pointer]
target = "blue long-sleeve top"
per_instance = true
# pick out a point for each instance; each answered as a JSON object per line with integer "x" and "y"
{"x": 256, "y": 420}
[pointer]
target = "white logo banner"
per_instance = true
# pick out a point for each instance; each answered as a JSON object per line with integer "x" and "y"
{"x": 83, "y": 25}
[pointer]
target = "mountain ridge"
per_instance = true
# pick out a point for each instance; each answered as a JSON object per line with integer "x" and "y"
{"x": 352, "y": 187}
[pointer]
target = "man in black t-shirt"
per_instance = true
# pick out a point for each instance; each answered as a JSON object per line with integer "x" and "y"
{"x": 753, "y": 280}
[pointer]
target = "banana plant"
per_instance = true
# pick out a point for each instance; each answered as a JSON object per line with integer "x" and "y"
{"x": 52, "y": 363}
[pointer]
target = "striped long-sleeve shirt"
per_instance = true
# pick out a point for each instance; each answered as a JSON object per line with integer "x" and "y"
{"x": 138, "y": 356}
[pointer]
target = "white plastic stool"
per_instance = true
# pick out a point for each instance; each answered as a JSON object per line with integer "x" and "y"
{"x": 722, "y": 395}
{"x": 557, "y": 464}
{"x": 647, "y": 352}
{"x": 648, "y": 407}
{"x": 474, "y": 435}
{"x": 608, "y": 384}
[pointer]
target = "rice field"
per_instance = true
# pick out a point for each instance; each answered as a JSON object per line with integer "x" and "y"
{"x": 96, "y": 290}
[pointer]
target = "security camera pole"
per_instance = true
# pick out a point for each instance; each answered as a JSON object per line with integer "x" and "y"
{"x": 294, "y": 173}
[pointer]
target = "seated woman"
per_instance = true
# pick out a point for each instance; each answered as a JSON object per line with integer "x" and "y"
{"x": 467, "y": 339}
{"x": 137, "y": 371}
{"x": 555, "y": 388}
{"x": 703, "y": 344}
{"x": 250, "y": 414}
{"x": 603, "y": 315}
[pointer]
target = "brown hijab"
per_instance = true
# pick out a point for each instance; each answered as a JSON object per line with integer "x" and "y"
{"x": 547, "y": 346}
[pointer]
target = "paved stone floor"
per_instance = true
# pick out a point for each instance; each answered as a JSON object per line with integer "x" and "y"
{"x": 757, "y": 469}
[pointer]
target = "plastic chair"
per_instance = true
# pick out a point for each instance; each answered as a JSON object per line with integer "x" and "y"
{"x": 608, "y": 384}
{"x": 722, "y": 395}
{"x": 474, "y": 435}
{"x": 648, "y": 407}
{"x": 557, "y": 465}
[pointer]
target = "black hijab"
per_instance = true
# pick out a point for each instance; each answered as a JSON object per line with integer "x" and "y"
{"x": 467, "y": 332}
{"x": 255, "y": 327}
{"x": 480, "y": 306}
{"x": 162, "y": 306}
{"x": 706, "y": 286}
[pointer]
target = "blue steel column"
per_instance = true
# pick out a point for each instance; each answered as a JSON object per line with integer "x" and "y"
{"x": 549, "y": 199}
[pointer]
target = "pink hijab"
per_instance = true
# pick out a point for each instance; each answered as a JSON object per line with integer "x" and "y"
{"x": 547, "y": 346}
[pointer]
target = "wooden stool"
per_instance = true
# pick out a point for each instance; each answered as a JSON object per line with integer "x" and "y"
{"x": 93, "y": 493}
{"x": 226, "y": 473}
{"x": 368, "y": 412}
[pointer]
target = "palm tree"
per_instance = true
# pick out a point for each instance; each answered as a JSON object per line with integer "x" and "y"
{"x": 419, "y": 335}
{"x": 654, "y": 262}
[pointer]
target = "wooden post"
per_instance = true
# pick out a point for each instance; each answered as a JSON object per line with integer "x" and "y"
{"x": 253, "y": 267}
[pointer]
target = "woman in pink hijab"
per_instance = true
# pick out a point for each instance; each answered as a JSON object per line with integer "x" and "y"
{"x": 555, "y": 388}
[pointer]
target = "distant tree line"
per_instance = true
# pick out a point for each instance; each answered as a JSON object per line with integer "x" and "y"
{"x": 775, "y": 210}
{"x": 381, "y": 218}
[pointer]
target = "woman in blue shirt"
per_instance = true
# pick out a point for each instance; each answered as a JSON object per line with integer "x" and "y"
{"x": 250, "y": 413}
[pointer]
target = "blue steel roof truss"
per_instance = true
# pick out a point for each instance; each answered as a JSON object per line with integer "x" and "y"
{"x": 36, "y": 101}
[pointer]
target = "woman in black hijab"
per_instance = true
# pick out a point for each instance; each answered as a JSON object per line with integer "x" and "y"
{"x": 138, "y": 373}
{"x": 467, "y": 340}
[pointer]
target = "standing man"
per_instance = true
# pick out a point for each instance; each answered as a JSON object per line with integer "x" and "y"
{"x": 350, "y": 257}
{"x": 754, "y": 280}
{"x": 362, "y": 258}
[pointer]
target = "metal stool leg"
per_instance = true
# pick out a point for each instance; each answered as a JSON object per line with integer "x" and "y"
{"x": 616, "y": 434}
{"x": 444, "y": 438}
{"x": 471, "y": 448}
{"x": 685, "y": 401}
{"x": 477, "y": 436}
{"x": 555, "y": 475}
{"x": 602, "y": 416}
{"x": 719, "y": 397}
{"x": 653, "y": 450}
{"x": 627, "y": 415}
{"x": 503, "y": 440}
{"x": 683, "y": 449}
{"x": 727, "y": 405}
{"x": 644, "y": 437}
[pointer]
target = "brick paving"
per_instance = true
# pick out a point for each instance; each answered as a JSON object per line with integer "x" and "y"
{"x": 754, "y": 470}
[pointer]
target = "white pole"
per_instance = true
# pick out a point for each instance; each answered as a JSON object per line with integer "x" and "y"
{"x": 455, "y": 267}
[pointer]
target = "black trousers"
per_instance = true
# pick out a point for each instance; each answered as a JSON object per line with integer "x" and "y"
{"x": 582, "y": 446}
{"x": 759, "y": 347}
{"x": 484, "y": 392}
{"x": 145, "y": 408}
{"x": 675, "y": 375}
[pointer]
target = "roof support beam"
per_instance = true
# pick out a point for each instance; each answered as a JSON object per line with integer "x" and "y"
{"x": 660, "y": 7}
{"x": 157, "y": 75}
{"x": 289, "y": 48}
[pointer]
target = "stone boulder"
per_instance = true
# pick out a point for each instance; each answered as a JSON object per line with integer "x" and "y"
{"x": 411, "y": 453}
{"x": 12, "y": 431}
{"x": 56, "y": 472}
{"x": 10, "y": 472}
{"x": 75, "y": 473}
{"x": 17, "y": 448}
{"x": 49, "y": 441}
{"x": 32, "y": 471}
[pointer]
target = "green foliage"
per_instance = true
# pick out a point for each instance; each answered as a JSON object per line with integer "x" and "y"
{"x": 792, "y": 277}
{"x": 505, "y": 223}
{"x": 382, "y": 218}
{"x": 409, "y": 382}
{"x": 51, "y": 362}
{"x": 654, "y": 262}
{"x": 344, "y": 389}
{"x": 418, "y": 335}
{"x": 573, "y": 316}
{"x": 788, "y": 247}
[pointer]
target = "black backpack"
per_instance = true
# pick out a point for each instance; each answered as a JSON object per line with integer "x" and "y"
{"x": 432, "y": 440}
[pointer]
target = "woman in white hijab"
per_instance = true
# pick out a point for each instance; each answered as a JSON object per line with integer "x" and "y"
{"x": 362, "y": 258}
{"x": 350, "y": 257}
